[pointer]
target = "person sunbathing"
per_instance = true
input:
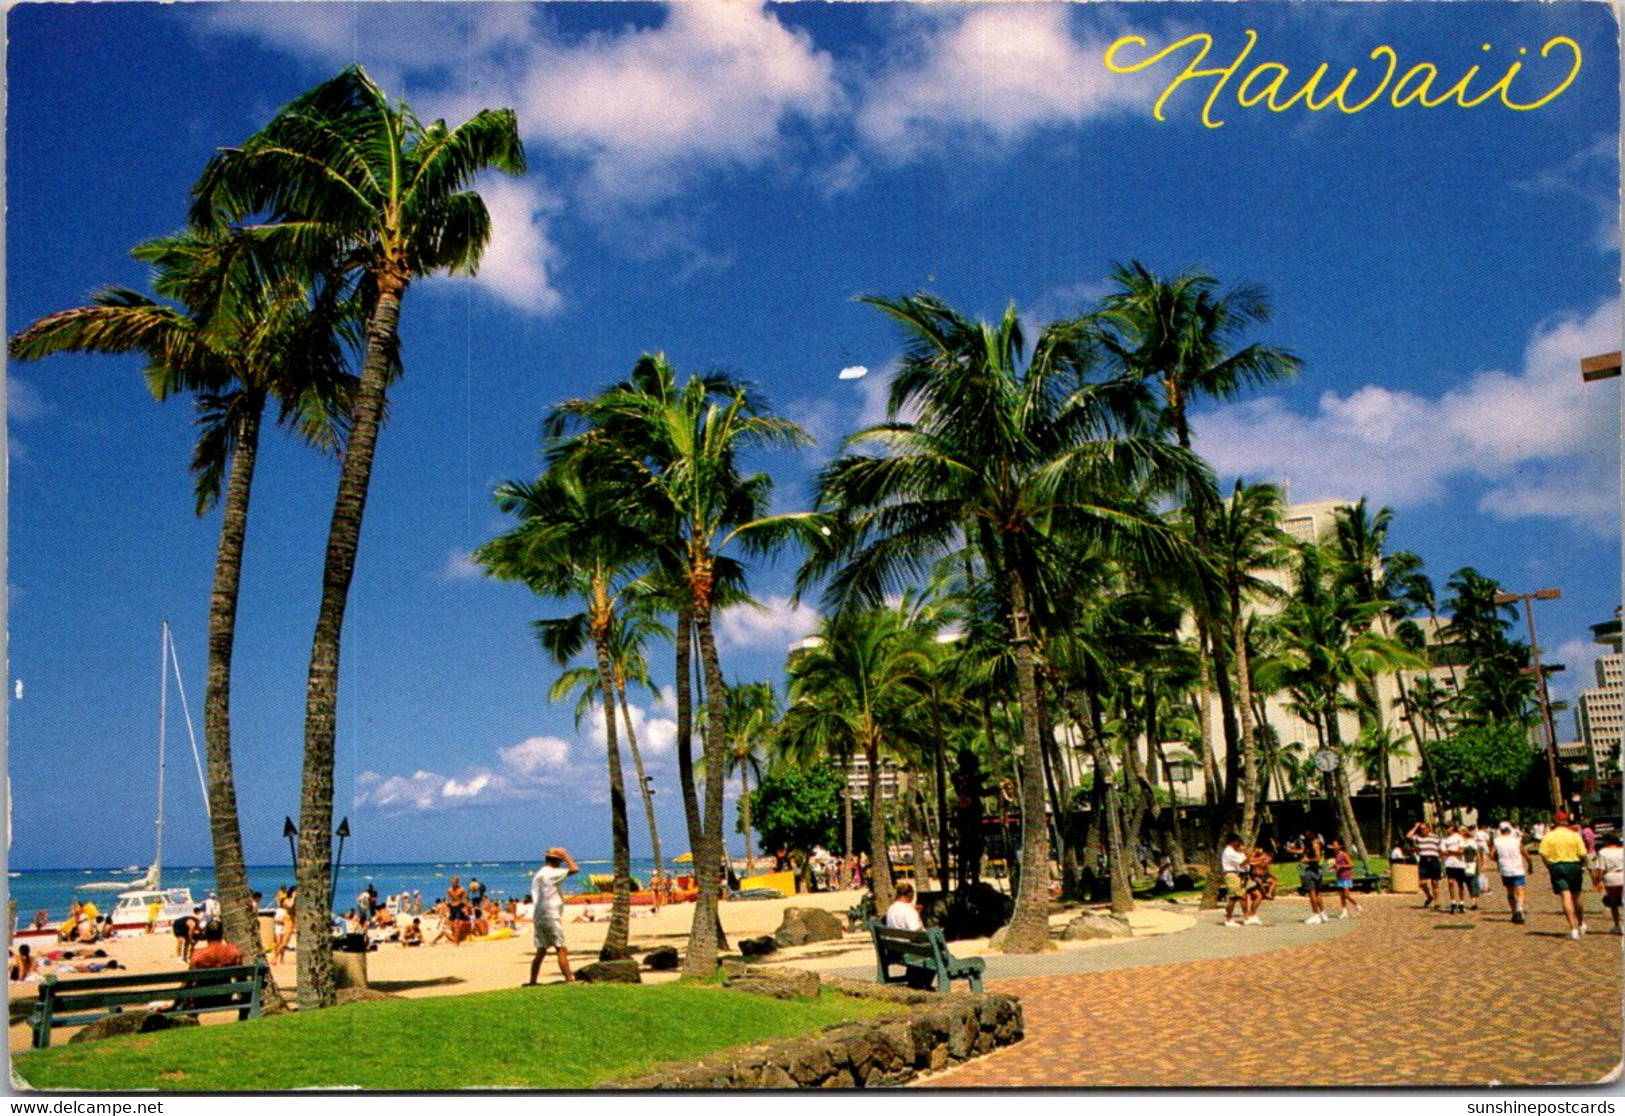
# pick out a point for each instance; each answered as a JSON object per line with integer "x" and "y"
{"x": 412, "y": 935}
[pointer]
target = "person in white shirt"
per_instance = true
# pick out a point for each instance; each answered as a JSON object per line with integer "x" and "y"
{"x": 904, "y": 914}
{"x": 1455, "y": 867}
{"x": 1513, "y": 863}
{"x": 1233, "y": 862}
{"x": 547, "y": 897}
{"x": 1609, "y": 874}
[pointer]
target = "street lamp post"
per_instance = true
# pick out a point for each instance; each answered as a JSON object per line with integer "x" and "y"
{"x": 1540, "y": 682}
{"x": 291, "y": 832}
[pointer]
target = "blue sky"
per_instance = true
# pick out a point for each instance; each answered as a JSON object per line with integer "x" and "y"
{"x": 718, "y": 181}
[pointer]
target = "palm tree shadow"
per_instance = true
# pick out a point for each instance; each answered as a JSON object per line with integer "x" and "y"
{"x": 408, "y": 985}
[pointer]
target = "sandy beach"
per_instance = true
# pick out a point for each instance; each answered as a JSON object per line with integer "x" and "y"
{"x": 444, "y": 969}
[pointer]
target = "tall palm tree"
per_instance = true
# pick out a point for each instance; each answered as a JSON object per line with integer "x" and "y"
{"x": 860, "y": 687}
{"x": 752, "y": 712}
{"x": 654, "y": 378}
{"x": 577, "y": 539}
{"x": 1246, "y": 538}
{"x": 1184, "y": 335}
{"x": 679, "y": 454}
{"x": 1023, "y": 454}
{"x": 342, "y": 176}
{"x": 237, "y": 341}
{"x": 1329, "y": 642}
{"x": 633, "y": 624}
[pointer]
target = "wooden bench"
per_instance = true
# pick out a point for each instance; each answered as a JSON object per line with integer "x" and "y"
{"x": 238, "y": 988}
{"x": 921, "y": 950}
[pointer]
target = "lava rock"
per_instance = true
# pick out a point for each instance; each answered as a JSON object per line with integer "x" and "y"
{"x": 1094, "y": 924}
{"x": 802, "y": 925}
{"x": 663, "y": 958}
{"x": 781, "y": 984}
{"x": 758, "y": 947}
{"x": 611, "y": 972}
{"x": 132, "y": 1023}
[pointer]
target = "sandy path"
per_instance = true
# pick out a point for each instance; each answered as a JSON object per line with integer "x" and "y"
{"x": 484, "y": 966}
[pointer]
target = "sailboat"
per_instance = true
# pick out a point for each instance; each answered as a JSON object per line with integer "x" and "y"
{"x": 136, "y": 898}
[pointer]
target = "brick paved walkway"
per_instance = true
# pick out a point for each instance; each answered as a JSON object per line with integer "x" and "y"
{"x": 1407, "y": 997}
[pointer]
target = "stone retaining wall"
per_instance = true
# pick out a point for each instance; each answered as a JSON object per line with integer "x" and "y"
{"x": 930, "y": 1032}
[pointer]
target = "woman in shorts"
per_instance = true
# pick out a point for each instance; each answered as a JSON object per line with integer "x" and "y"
{"x": 1343, "y": 869}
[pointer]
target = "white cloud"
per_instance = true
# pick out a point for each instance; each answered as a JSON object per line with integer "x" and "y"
{"x": 429, "y": 791}
{"x": 460, "y": 566}
{"x": 1544, "y": 442}
{"x": 712, "y": 83}
{"x": 24, "y": 403}
{"x": 535, "y": 756}
{"x": 1000, "y": 71}
{"x": 777, "y": 624}
{"x": 520, "y": 260}
{"x": 534, "y": 767}
{"x": 657, "y": 736}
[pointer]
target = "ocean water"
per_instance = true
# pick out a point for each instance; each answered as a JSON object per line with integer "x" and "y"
{"x": 53, "y": 890}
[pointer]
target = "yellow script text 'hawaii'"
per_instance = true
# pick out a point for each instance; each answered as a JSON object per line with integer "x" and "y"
{"x": 1270, "y": 83}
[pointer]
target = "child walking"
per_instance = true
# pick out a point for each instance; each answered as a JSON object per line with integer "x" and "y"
{"x": 1343, "y": 865}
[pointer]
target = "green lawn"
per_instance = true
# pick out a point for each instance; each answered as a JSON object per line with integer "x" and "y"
{"x": 553, "y": 1037}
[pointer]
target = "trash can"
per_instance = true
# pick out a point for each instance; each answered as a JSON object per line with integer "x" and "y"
{"x": 1404, "y": 880}
{"x": 350, "y": 960}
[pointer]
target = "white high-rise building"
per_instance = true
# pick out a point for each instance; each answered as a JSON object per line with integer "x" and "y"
{"x": 1602, "y": 708}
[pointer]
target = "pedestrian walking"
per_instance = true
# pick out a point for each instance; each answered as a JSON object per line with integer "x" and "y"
{"x": 1564, "y": 853}
{"x": 1429, "y": 867}
{"x": 547, "y": 895}
{"x": 1311, "y": 856}
{"x": 1513, "y": 862}
{"x": 1343, "y": 867}
{"x": 1453, "y": 847}
{"x": 1233, "y": 862}
{"x": 1609, "y": 874}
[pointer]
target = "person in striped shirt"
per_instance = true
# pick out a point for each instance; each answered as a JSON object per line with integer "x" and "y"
{"x": 1429, "y": 866}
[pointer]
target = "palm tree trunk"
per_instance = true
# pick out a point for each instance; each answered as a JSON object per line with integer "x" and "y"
{"x": 706, "y": 938}
{"x": 683, "y": 642}
{"x": 744, "y": 812}
{"x": 620, "y": 911}
{"x": 643, "y": 783}
{"x": 1028, "y": 931}
{"x": 1340, "y": 788}
{"x": 1069, "y": 865}
{"x": 1094, "y": 731}
{"x": 912, "y": 806}
{"x": 846, "y": 806}
{"x": 225, "y": 829}
{"x": 1176, "y": 836}
{"x": 314, "y": 871}
{"x": 1249, "y": 742}
{"x": 880, "y": 881}
{"x": 939, "y": 759}
{"x": 1212, "y": 793}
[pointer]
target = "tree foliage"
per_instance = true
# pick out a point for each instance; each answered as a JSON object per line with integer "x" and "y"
{"x": 1487, "y": 766}
{"x": 798, "y": 808}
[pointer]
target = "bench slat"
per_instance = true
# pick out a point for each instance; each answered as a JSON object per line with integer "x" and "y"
{"x": 900, "y": 947}
{"x": 190, "y": 992}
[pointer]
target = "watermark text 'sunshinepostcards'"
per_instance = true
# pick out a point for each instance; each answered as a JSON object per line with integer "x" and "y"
{"x": 1540, "y": 1108}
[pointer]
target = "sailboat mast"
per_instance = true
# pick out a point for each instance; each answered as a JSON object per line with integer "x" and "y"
{"x": 163, "y": 721}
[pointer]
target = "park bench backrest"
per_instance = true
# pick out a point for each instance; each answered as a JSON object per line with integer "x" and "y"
{"x": 192, "y": 992}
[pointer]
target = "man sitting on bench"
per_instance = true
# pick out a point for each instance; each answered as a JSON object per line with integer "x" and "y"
{"x": 904, "y": 914}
